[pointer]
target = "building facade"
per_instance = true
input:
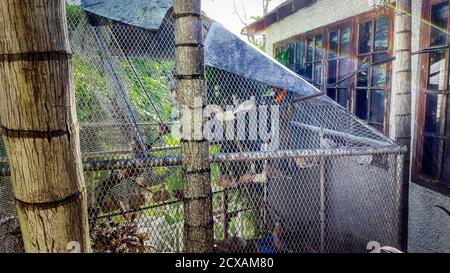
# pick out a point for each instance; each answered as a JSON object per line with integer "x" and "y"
{"x": 345, "y": 48}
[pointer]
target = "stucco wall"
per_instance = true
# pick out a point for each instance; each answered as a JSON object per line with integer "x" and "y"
{"x": 429, "y": 227}
{"x": 320, "y": 13}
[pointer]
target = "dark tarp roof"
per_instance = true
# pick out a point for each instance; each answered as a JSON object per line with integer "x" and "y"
{"x": 147, "y": 14}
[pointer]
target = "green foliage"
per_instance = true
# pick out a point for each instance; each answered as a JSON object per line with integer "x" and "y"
{"x": 75, "y": 14}
{"x": 87, "y": 82}
{"x": 156, "y": 82}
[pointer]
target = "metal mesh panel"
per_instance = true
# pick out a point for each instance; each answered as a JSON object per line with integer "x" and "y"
{"x": 288, "y": 177}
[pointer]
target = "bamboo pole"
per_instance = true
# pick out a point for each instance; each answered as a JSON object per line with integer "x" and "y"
{"x": 39, "y": 125}
{"x": 198, "y": 216}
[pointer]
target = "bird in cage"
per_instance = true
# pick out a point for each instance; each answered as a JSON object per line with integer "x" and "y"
{"x": 110, "y": 204}
{"x": 162, "y": 195}
{"x": 247, "y": 178}
{"x": 162, "y": 129}
{"x": 226, "y": 181}
{"x": 280, "y": 95}
{"x": 178, "y": 194}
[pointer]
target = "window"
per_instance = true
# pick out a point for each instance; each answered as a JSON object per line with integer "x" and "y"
{"x": 326, "y": 56}
{"x": 433, "y": 136}
{"x": 314, "y": 64}
{"x": 370, "y": 85}
{"x": 290, "y": 55}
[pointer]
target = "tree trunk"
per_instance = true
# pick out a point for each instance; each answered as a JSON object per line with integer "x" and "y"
{"x": 198, "y": 220}
{"x": 39, "y": 125}
{"x": 401, "y": 93}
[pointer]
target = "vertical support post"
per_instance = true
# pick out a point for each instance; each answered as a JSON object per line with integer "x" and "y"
{"x": 40, "y": 127}
{"x": 401, "y": 95}
{"x": 322, "y": 200}
{"x": 225, "y": 215}
{"x": 402, "y": 202}
{"x": 198, "y": 217}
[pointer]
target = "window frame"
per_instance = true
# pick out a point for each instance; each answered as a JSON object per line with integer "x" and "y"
{"x": 372, "y": 53}
{"x": 440, "y": 185}
{"x": 353, "y": 23}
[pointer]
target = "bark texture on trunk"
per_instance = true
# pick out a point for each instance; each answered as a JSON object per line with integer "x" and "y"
{"x": 198, "y": 222}
{"x": 39, "y": 125}
{"x": 401, "y": 92}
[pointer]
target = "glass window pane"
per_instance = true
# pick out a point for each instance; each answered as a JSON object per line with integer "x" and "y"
{"x": 379, "y": 72}
{"x": 308, "y": 72}
{"x": 342, "y": 97}
{"x": 331, "y": 92}
{"x": 318, "y": 48}
{"x": 361, "y": 104}
{"x": 290, "y": 54}
{"x": 362, "y": 77}
{"x": 430, "y": 151}
{"x": 436, "y": 80}
{"x": 446, "y": 162}
{"x": 381, "y": 34}
{"x": 298, "y": 53}
{"x": 318, "y": 73}
{"x": 332, "y": 70}
{"x": 310, "y": 50}
{"x": 439, "y": 19}
{"x": 334, "y": 42}
{"x": 365, "y": 37}
{"x": 377, "y": 106}
{"x": 345, "y": 41}
{"x": 344, "y": 69}
{"x": 433, "y": 113}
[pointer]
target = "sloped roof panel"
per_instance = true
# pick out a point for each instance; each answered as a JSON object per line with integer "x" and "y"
{"x": 148, "y": 14}
{"x": 226, "y": 51}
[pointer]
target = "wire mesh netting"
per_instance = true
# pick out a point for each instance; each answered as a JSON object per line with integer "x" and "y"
{"x": 289, "y": 177}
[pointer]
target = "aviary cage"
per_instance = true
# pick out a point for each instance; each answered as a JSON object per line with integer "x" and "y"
{"x": 332, "y": 184}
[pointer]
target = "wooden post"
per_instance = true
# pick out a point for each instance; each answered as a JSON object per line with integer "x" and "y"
{"x": 401, "y": 94}
{"x": 39, "y": 125}
{"x": 198, "y": 217}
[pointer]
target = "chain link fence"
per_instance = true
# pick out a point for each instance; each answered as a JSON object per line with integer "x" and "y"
{"x": 331, "y": 184}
